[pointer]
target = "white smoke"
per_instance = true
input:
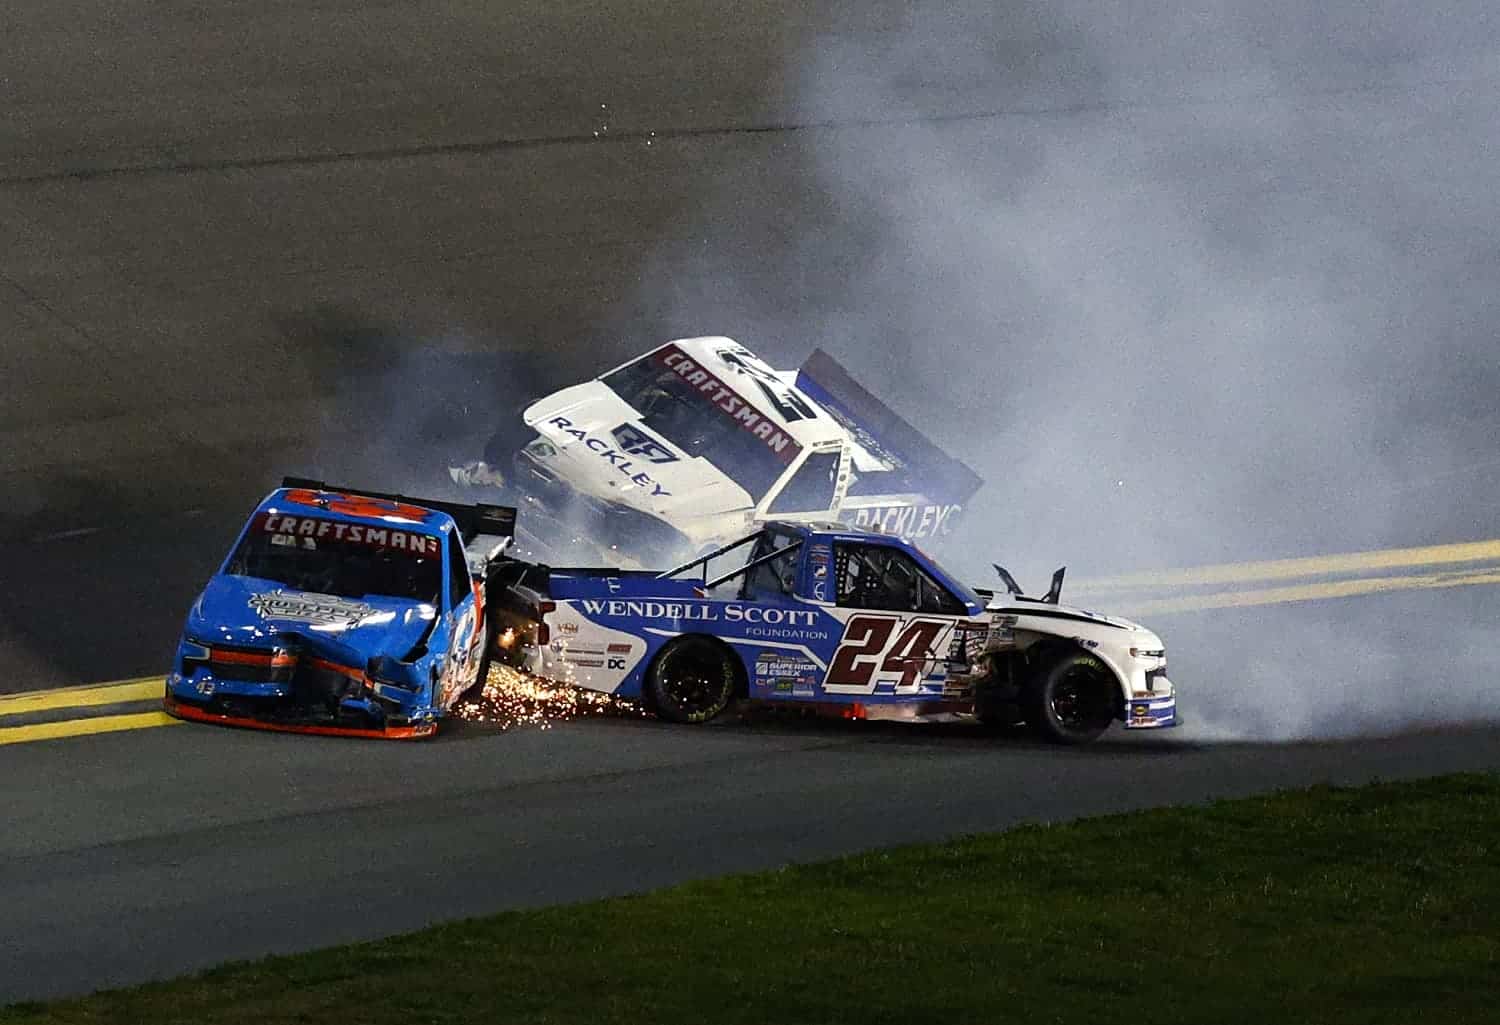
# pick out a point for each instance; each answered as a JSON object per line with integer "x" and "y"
{"x": 1185, "y": 283}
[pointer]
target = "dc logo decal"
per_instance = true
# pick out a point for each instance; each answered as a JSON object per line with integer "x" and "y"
{"x": 636, "y": 442}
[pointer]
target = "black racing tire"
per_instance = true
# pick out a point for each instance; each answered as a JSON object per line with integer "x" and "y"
{"x": 1072, "y": 699}
{"x": 692, "y": 681}
{"x": 998, "y": 708}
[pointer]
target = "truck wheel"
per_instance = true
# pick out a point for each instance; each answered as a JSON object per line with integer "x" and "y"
{"x": 1072, "y": 700}
{"x": 998, "y": 707}
{"x": 692, "y": 681}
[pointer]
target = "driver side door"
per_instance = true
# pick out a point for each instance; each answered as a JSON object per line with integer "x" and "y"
{"x": 899, "y": 624}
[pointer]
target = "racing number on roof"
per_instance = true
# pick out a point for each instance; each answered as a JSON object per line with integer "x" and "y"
{"x": 867, "y": 647}
{"x": 783, "y": 396}
{"x": 355, "y": 505}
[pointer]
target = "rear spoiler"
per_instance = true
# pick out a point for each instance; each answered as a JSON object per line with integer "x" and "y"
{"x": 473, "y": 520}
{"x": 922, "y": 466}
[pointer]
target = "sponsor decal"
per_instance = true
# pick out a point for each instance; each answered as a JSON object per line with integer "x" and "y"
{"x": 905, "y": 521}
{"x": 616, "y": 663}
{"x": 308, "y": 608}
{"x": 620, "y": 649}
{"x": 568, "y": 628}
{"x": 784, "y": 673}
{"x": 730, "y": 403}
{"x": 586, "y": 663}
{"x": 698, "y": 612}
{"x": 761, "y": 621}
{"x": 310, "y": 528}
{"x": 968, "y": 642}
{"x": 634, "y": 441}
{"x": 789, "y": 402}
{"x": 626, "y": 466}
{"x": 820, "y": 557}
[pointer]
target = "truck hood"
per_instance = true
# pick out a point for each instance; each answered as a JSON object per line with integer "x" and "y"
{"x": 1010, "y": 605}
{"x": 577, "y": 424}
{"x": 251, "y": 612}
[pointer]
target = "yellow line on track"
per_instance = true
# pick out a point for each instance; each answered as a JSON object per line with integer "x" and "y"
{"x": 1314, "y": 592}
{"x": 83, "y": 727}
{"x": 1291, "y": 569}
{"x": 82, "y": 697}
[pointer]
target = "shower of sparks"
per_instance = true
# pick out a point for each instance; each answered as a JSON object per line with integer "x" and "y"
{"x": 512, "y": 698}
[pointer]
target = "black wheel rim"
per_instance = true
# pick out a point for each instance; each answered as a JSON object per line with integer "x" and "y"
{"x": 693, "y": 681}
{"x": 1081, "y": 700}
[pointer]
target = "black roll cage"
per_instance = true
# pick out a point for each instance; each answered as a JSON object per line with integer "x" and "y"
{"x": 704, "y": 559}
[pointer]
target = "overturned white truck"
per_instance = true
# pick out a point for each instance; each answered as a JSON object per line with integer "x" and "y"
{"x": 699, "y": 439}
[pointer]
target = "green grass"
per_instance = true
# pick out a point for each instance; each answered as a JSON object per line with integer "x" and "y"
{"x": 1377, "y": 904}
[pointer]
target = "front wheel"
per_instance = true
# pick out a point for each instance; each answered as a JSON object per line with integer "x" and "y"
{"x": 1072, "y": 699}
{"x": 692, "y": 681}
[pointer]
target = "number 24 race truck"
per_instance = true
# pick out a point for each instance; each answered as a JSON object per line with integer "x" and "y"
{"x": 855, "y": 623}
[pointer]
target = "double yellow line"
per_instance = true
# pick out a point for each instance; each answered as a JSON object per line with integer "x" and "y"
{"x": 82, "y": 699}
{"x": 1277, "y": 582}
{"x": 1432, "y": 567}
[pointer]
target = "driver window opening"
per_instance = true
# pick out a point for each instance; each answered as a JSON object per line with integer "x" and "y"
{"x": 886, "y": 578}
{"x": 811, "y": 488}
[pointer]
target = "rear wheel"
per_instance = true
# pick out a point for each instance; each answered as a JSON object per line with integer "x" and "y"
{"x": 1072, "y": 699}
{"x": 692, "y": 681}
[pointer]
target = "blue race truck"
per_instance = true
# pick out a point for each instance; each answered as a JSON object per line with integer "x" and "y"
{"x": 342, "y": 611}
{"x": 855, "y": 623}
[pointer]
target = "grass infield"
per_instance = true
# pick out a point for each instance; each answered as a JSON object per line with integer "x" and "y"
{"x": 1375, "y": 904}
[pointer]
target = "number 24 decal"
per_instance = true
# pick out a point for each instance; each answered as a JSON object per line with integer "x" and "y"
{"x": 867, "y": 646}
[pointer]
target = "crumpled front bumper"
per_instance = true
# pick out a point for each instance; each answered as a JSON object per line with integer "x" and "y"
{"x": 221, "y": 716}
{"x": 286, "y": 707}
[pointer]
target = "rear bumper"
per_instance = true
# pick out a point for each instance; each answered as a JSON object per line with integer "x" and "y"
{"x": 192, "y": 712}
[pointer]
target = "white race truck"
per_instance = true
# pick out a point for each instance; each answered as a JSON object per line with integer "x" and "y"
{"x": 700, "y": 439}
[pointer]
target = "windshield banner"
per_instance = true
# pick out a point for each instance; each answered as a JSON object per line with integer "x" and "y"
{"x": 306, "y": 531}
{"x": 729, "y": 402}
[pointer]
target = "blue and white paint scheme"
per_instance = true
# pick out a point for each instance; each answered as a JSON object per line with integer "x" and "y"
{"x": 822, "y": 614}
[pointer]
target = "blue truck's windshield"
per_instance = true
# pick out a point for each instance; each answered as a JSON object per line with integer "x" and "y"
{"x": 350, "y": 560}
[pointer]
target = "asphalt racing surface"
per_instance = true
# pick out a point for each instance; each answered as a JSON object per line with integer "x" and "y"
{"x": 140, "y": 855}
{"x": 334, "y": 237}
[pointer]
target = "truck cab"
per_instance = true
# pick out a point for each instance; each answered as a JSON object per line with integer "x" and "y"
{"x": 700, "y": 440}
